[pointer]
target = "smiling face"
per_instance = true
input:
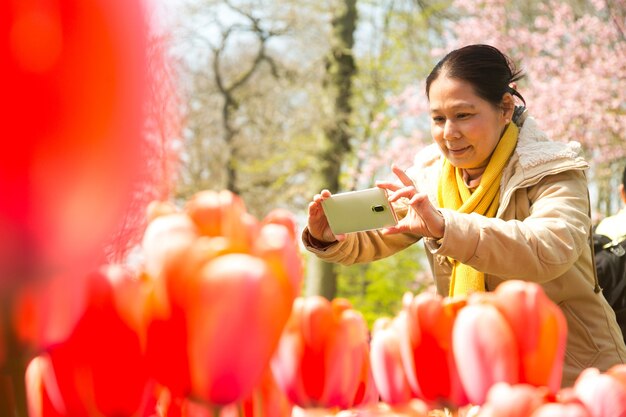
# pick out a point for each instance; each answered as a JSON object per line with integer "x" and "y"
{"x": 466, "y": 127}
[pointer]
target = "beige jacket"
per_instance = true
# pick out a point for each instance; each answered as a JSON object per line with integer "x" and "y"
{"x": 540, "y": 234}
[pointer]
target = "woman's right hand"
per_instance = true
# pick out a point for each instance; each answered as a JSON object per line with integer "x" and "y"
{"x": 317, "y": 222}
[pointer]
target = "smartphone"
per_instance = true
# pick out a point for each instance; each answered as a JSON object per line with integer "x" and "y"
{"x": 361, "y": 210}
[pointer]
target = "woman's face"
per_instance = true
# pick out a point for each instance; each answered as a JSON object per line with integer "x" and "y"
{"x": 466, "y": 127}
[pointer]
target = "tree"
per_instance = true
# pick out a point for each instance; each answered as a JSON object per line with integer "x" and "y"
{"x": 575, "y": 52}
{"x": 400, "y": 53}
{"x": 251, "y": 76}
{"x": 340, "y": 70}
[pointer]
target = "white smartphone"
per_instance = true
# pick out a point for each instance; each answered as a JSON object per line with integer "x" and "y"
{"x": 357, "y": 211}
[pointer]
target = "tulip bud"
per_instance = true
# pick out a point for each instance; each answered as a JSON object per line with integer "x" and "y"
{"x": 323, "y": 355}
{"x": 513, "y": 400}
{"x": 234, "y": 320}
{"x": 386, "y": 360}
{"x": 602, "y": 394}
{"x": 484, "y": 349}
{"x": 426, "y": 324}
{"x": 540, "y": 331}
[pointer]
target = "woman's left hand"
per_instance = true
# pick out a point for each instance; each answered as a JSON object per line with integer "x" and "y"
{"x": 422, "y": 218}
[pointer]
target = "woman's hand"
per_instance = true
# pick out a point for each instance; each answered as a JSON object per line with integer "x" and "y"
{"x": 317, "y": 222}
{"x": 422, "y": 218}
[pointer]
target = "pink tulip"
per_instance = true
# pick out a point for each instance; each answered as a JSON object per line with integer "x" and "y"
{"x": 485, "y": 350}
{"x": 425, "y": 328}
{"x": 235, "y": 316}
{"x": 603, "y": 394}
{"x": 513, "y": 400}
{"x": 323, "y": 355}
{"x": 386, "y": 360}
{"x": 163, "y": 241}
{"x": 540, "y": 330}
{"x": 276, "y": 246}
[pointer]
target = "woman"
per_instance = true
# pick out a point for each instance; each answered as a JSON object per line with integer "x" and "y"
{"x": 494, "y": 200}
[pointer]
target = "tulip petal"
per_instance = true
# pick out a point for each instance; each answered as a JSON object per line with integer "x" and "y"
{"x": 484, "y": 349}
{"x": 387, "y": 369}
{"x": 602, "y": 394}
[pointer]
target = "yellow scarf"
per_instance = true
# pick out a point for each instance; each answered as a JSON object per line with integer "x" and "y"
{"x": 452, "y": 193}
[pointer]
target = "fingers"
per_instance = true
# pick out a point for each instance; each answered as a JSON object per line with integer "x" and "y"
{"x": 405, "y": 179}
{"x": 315, "y": 206}
{"x": 323, "y": 195}
{"x": 407, "y": 192}
{"x": 391, "y": 186}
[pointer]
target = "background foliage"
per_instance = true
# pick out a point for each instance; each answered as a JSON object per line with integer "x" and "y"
{"x": 256, "y": 103}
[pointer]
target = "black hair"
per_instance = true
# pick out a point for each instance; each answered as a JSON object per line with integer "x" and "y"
{"x": 624, "y": 178}
{"x": 487, "y": 69}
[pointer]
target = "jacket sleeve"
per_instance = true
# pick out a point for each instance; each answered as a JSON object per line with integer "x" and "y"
{"x": 540, "y": 247}
{"x": 360, "y": 247}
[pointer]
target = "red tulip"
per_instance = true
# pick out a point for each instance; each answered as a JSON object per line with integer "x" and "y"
{"x": 234, "y": 321}
{"x": 46, "y": 310}
{"x": 266, "y": 400}
{"x": 323, "y": 356}
{"x": 73, "y": 90}
{"x": 389, "y": 376}
{"x": 221, "y": 213}
{"x": 217, "y": 276}
{"x": 105, "y": 344}
{"x": 513, "y": 400}
{"x": 485, "y": 350}
{"x": 540, "y": 330}
{"x": 427, "y": 350}
{"x": 74, "y": 83}
{"x": 603, "y": 394}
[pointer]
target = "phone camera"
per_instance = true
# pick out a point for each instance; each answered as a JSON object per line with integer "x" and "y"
{"x": 378, "y": 209}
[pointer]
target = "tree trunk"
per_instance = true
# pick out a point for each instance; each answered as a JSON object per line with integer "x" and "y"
{"x": 340, "y": 69}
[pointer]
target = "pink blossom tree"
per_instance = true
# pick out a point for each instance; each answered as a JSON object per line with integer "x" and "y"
{"x": 575, "y": 62}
